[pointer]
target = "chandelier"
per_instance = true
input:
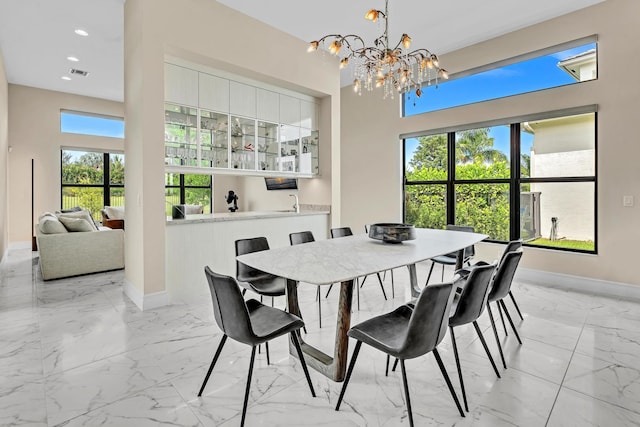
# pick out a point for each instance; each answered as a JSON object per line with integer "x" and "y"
{"x": 396, "y": 69}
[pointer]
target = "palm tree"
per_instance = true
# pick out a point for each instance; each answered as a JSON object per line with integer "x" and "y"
{"x": 476, "y": 146}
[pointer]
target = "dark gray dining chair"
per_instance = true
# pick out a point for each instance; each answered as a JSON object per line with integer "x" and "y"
{"x": 300, "y": 238}
{"x": 407, "y": 333}
{"x": 511, "y": 246}
{"x": 258, "y": 281}
{"x": 500, "y": 287}
{"x": 248, "y": 322}
{"x": 468, "y": 305}
{"x": 452, "y": 258}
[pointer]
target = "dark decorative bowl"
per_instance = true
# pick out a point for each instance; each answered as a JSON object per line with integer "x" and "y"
{"x": 392, "y": 233}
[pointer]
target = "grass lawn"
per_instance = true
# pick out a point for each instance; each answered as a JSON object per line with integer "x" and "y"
{"x": 584, "y": 245}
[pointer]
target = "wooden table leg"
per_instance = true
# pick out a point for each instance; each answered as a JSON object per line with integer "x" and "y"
{"x": 332, "y": 367}
{"x": 413, "y": 281}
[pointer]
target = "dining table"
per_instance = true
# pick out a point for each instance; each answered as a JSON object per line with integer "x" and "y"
{"x": 342, "y": 260}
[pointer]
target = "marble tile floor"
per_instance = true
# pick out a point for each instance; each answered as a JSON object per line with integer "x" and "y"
{"x": 77, "y": 352}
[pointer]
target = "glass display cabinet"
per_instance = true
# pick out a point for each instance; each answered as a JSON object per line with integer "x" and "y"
{"x": 180, "y": 135}
{"x": 289, "y": 148}
{"x": 268, "y": 148}
{"x": 309, "y": 155}
{"x": 214, "y": 139}
{"x": 243, "y": 141}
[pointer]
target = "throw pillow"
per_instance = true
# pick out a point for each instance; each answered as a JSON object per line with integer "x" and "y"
{"x": 76, "y": 224}
{"x": 81, "y": 214}
{"x": 114, "y": 212}
{"x": 45, "y": 215}
{"x": 49, "y": 225}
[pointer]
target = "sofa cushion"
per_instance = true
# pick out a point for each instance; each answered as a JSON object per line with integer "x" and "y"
{"x": 76, "y": 224}
{"x": 51, "y": 225}
{"x": 80, "y": 214}
{"x": 114, "y": 212}
{"x": 45, "y": 215}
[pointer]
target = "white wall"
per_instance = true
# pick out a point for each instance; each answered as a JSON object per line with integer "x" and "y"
{"x": 34, "y": 133}
{"x": 200, "y": 32}
{"x": 371, "y": 153}
{"x": 4, "y": 161}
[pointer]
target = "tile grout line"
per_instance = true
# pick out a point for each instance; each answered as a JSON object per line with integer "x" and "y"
{"x": 565, "y": 374}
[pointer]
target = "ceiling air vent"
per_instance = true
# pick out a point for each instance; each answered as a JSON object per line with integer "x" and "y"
{"x": 78, "y": 72}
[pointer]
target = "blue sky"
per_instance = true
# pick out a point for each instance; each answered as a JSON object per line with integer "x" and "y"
{"x": 91, "y": 125}
{"x": 527, "y": 76}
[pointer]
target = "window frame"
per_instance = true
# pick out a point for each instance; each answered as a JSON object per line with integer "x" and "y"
{"x": 106, "y": 175}
{"x": 515, "y": 181}
{"x": 182, "y": 187}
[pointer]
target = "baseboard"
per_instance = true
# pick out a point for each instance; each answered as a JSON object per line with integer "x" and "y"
{"x": 148, "y": 301}
{"x": 20, "y": 245}
{"x": 579, "y": 284}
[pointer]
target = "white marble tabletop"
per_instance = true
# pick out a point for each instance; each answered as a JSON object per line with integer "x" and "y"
{"x": 336, "y": 260}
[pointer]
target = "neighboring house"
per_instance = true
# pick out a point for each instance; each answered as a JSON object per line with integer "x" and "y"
{"x": 565, "y": 147}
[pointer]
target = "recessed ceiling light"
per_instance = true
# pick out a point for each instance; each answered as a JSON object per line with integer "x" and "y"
{"x": 65, "y": 78}
{"x": 81, "y": 32}
{"x": 72, "y": 59}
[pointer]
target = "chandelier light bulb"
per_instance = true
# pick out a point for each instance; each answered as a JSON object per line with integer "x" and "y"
{"x": 356, "y": 85}
{"x": 372, "y": 15}
{"x": 443, "y": 74}
{"x": 344, "y": 63}
{"x": 406, "y": 41}
{"x": 313, "y": 46}
{"x": 334, "y": 47}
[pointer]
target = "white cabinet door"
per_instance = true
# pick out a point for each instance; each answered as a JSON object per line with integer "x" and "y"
{"x": 309, "y": 115}
{"x": 268, "y": 105}
{"x": 289, "y": 110}
{"x": 214, "y": 93}
{"x": 180, "y": 85}
{"x": 242, "y": 99}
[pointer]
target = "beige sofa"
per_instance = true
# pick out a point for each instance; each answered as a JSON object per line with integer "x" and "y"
{"x": 64, "y": 254}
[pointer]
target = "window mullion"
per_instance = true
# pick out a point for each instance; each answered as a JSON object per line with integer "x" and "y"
{"x": 514, "y": 185}
{"x": 451, "y": 176}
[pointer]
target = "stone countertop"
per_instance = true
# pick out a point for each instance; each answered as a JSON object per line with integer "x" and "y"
{"x": 240, "y": 216}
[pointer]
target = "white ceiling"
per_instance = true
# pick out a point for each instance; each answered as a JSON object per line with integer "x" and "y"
{"x": 36, "y": 36}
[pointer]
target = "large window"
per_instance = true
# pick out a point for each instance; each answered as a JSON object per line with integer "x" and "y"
{"x": 562, "y": 65}
{"x": 532, "y": 179}
{"x": 92, "y": 180}
{"x": 188, "y": 189}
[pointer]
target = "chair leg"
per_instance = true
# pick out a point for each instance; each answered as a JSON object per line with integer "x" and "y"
{"x": 429, "y": 276}
{"x": 318, "y": 294}
{"x": 406, "y": 392}
{"x": 296, "y": 343}
{"x": 213, "y": 363}
{"x": 504, "y": 325}
{"x": 395, "y": 365}
{"x": 348, "y": 377}
{"x": 266, "y": 347}
{"x": 486, "y": 349}
{"x": 442, "y": 278}
{"x": 364, "y": 279}
{"x": 244, "y": 291}
{"x": 393, "y": 286}
{"x": 382, "y": 286}
{"x": 319, "y": 310}
{"x": 386, "y": 369}
{"x": 516, "y": 305}
{"x": 495, "y": 333}
{"x": 358, "y": 292}
{"x": 506, "y": 312}
{"x": 327, "y": 295}
{"x": 455, "y": 353}
{"x": 246, "y": 392}
{"x": 448, "y": 381}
